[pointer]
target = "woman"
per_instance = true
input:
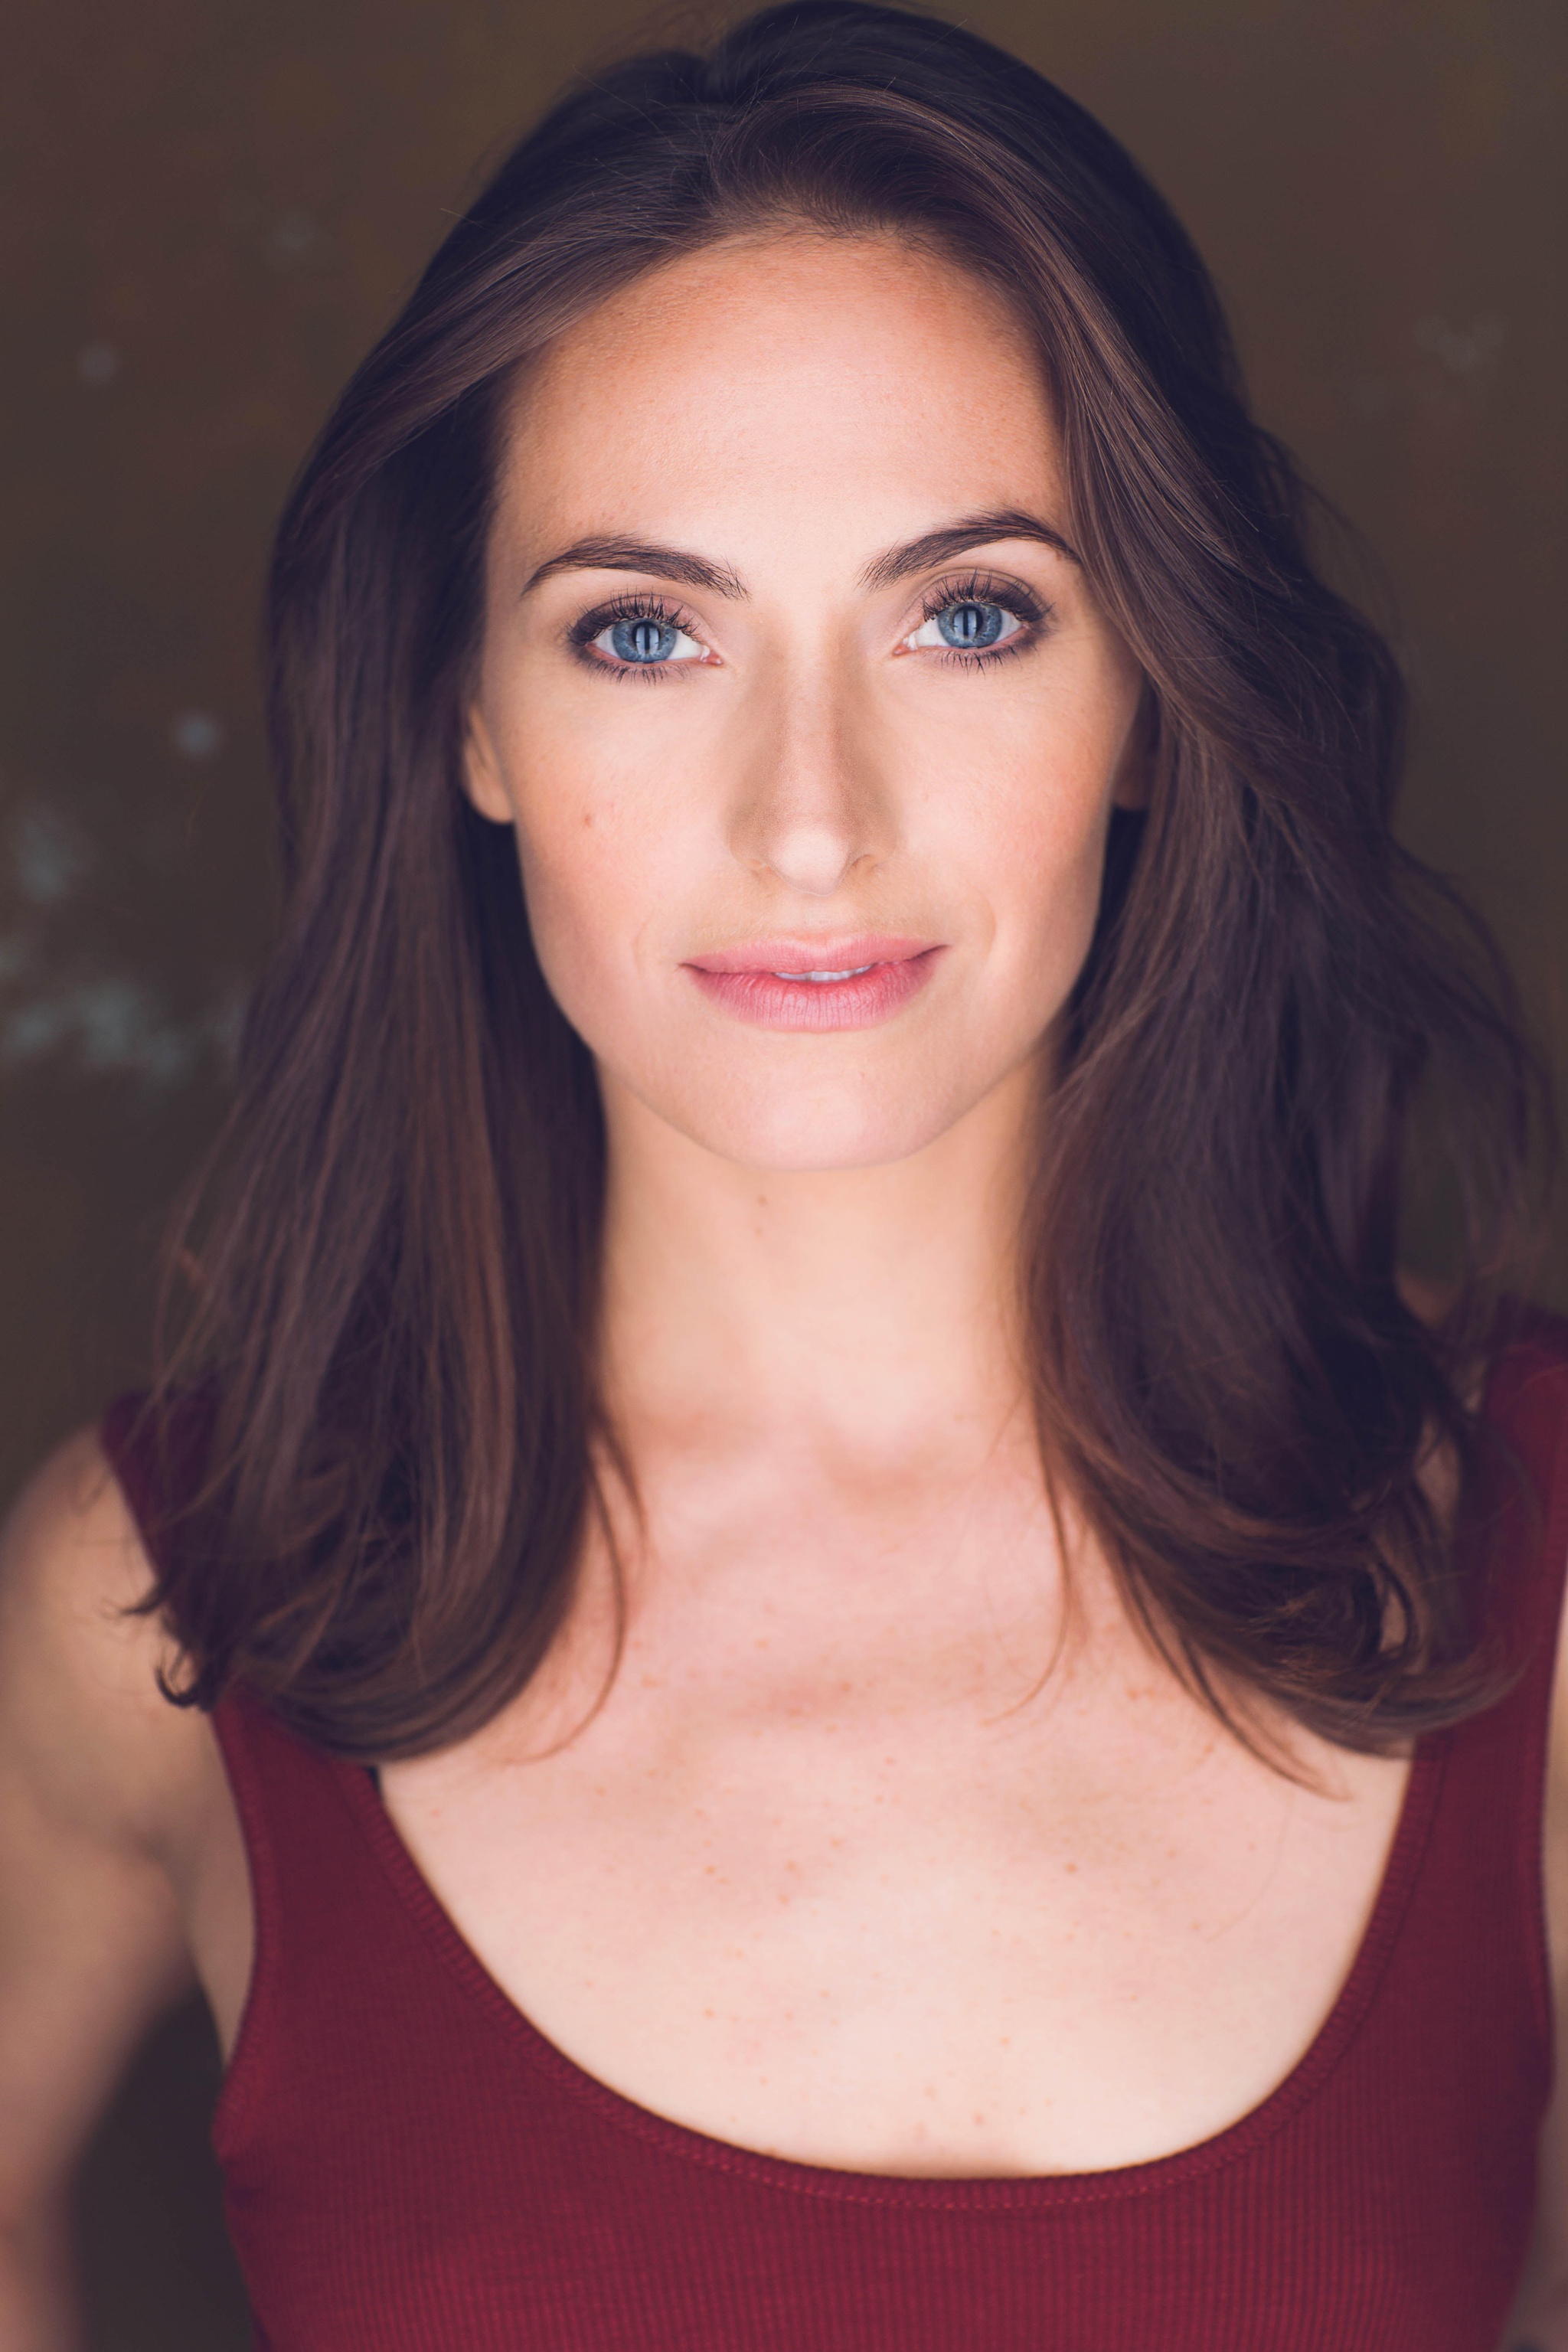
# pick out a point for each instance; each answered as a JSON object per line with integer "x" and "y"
{"x": 848, "y": 1668}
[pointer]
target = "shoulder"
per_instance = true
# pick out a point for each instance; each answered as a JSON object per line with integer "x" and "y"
{"x": 83, "y": 1720}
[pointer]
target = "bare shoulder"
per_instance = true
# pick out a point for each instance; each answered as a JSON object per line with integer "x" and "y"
{"x": 109, "y": 1798}
{"x": 83, "y": 1717}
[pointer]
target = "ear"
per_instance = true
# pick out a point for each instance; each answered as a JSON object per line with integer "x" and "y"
{"x": 1134, "y": 777}
{"x": 481, "y": 770}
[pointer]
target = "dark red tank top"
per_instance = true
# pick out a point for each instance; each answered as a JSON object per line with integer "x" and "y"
{"x": 410, "y": 2166}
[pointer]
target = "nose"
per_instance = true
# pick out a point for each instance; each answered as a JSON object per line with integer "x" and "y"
{"x": 810, "y": 807}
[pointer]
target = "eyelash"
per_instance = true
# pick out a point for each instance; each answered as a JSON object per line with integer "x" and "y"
{"x": 982, "y": 588}
{"x": 629, "y": 608}
{"x": 978, "y": 588}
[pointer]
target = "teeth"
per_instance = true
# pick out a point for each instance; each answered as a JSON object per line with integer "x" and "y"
{"x": 824, "y": 975}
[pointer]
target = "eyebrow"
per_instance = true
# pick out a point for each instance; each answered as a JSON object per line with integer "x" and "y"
{"x": 956, "y": 539}
{"x": 614, "y": 552}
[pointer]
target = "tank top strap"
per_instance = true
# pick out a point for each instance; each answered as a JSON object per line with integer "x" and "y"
{"x": 316, "y": 1893}
{"x": 322, "y": 1909}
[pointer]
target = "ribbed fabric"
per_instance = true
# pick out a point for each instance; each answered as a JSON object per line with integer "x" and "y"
{"x": 410, "y": 2166}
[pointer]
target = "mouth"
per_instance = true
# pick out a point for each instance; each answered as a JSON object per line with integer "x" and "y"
{"x": 816, "y": 984}
{"x": 816, "y": 978}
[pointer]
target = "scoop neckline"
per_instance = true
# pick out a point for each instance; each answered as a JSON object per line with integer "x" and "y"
{"x": 996, "y": 2191}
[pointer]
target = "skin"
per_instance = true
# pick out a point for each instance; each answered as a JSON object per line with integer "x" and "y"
{"x": 876, "y": 1853}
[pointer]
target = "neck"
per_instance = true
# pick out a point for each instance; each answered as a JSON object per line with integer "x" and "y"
{"x": 854, "y": 1313}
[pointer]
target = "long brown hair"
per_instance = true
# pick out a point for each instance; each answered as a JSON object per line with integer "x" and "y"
{"x": 391, "y": 1258}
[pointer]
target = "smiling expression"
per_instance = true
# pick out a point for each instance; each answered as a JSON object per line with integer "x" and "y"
{"x": 798, "y": 699}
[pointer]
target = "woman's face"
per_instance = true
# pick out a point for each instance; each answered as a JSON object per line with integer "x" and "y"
{"x": 785, "y": 674}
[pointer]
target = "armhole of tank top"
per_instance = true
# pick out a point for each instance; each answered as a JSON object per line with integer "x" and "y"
{"x": 234, "y": 1726}
{"x": 118, "y": 1428}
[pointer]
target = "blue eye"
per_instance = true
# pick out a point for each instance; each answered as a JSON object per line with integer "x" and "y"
{"x": 642, "y": 639}
{"x": 635, "y": 636}
{"x": 974, "y": 624}
{"x": 970, "y": 626}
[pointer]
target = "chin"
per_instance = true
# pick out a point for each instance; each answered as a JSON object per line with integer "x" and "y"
{"x": 800, "y": 1130}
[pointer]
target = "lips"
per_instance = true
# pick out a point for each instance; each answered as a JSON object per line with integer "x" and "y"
{"x": 816, "y": 984}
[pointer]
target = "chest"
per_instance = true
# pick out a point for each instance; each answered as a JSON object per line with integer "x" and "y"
{"x": 912, "y": 1936}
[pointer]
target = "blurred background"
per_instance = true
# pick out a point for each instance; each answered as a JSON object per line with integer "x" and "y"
{"x": 209, "y": 211}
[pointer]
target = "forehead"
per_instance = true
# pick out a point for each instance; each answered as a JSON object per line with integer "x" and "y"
{"x": 795, "y": 375}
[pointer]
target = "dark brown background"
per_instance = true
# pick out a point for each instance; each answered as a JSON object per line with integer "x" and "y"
{"x": 209, "y": 209}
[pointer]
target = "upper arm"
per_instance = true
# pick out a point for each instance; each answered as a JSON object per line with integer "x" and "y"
{"x": 95, "y": 1766}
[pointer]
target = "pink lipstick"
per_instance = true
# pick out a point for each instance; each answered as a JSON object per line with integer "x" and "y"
{"x": 816, "y": 984}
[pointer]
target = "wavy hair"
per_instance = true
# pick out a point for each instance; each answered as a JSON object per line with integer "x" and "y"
{"x": 379, "y": 1292}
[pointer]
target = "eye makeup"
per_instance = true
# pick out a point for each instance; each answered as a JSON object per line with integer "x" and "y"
{"x": 633, "y": 605}
{"x": 983, "y": 589}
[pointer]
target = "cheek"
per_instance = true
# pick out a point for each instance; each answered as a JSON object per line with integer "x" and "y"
{"x": 1029, "y": 834}
{"x": 1045, "y": 900}
{"x": 573, "y": 885}
{"x": 596, "y": 846}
